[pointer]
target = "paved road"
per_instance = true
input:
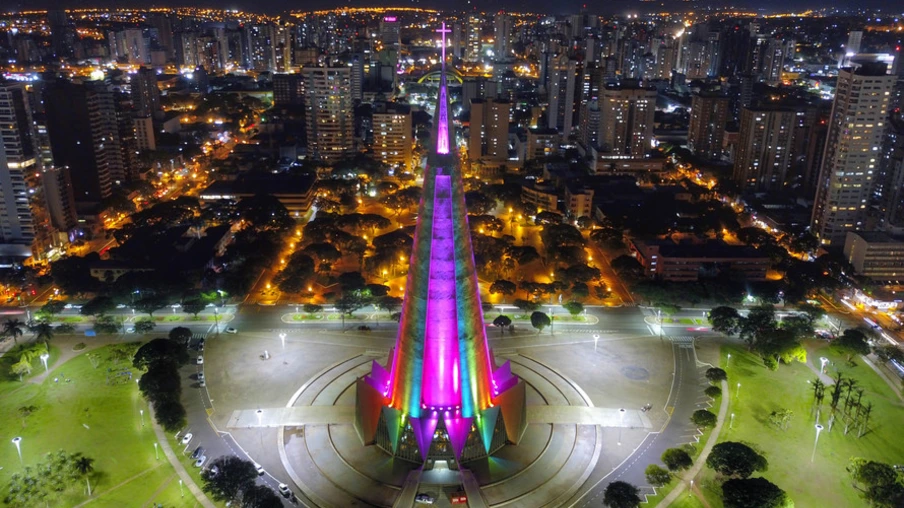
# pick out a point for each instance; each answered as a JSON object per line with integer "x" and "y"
{"x": 685, "y": 398}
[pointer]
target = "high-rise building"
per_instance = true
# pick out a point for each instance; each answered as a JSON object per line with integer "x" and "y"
{"x": 855, "y": 39}
{"x": 288, "y": 89}
{"x": 146, "y": 94}
{"x": 18, "y": 158}
{"x": 137, "y": 46}
{"x": 390, "y": 30}
{"x": 563, "y": 78}
{"x": 475, "y": 30}
{"x": 626, "y": 127}
{"x": 60, "y": 198}
{"x": 259, "y": 51}
{"x": 589, "y": 130}
{"x": 164, "y": 33}
{"x": 392, "y": 135}
{"x": 62, "y": 33}
{"x": 850, "y": 162}
{"x": 84, "y": 136}
{"x": 709, "y": 114}
{"x": 144, "y": 133}
{"x": 502, "y": 36}
{"x": 764, "y": 148}
{"x": 488, "y": 138}
{"x": 328, "y": 108}
{"x": 666, "y": 58}
{"x": 892, "y": 197}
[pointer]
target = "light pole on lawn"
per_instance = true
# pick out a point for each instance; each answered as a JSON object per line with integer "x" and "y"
{"x": 141, "y": 412}
{"x": 181, "y": 492}
{"x": 621, "y": 417}
{"x": 156, "y": 454}
{"x": 818, "y": 430}
{"x": 18, "y": 442}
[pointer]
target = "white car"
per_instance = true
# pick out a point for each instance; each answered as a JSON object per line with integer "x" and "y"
{"x": 200, "y": 360}
{"x": 259, "y": 468}
{"x": 424, "y": 499}
{"x": 284, "y": 490}
{"x": 230, "y": 329}
{"x": 201, "y": 460}
{"x": 201, "y": 377}
{"x": 186, "y": 438}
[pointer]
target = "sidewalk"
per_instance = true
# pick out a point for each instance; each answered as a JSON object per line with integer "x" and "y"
{"x": 701, "y": 460}
{"x": 180, "y": 469}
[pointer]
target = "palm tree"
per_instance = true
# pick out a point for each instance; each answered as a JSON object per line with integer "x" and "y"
{"x": 13, "y": 328}
{"x": 43, "y": 331}
{"x": 84, "y": 466}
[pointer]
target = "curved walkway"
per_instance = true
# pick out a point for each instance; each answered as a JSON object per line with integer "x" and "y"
{"x": 713, "y": 437}
{"x": 180, "y": 469}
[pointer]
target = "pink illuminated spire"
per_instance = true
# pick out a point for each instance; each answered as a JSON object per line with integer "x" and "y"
{"x": 442, "y": 105}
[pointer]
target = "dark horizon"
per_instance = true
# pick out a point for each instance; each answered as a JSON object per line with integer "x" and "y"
{"x": 537, "y": 6}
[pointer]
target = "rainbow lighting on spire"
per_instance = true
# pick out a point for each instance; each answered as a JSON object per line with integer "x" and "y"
{"x": 441, "y": 395}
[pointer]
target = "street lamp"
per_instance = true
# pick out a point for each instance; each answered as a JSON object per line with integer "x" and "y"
{"x": 823, "y": 361}
{"x": 728, "y": 361}
{"x": 18, "y": 442}
{"x": 621, "y": 416}
{"x": 260, "y": 429}
{"x": 818, "y": 430}
{"x": 44, "y": 358}
{"x": 596, "y": 339}
{"x": 181, "y": 492}
{"x": 738, "y": 391}
{"x": 141, "y": 411}
{"x": 731, "y": 422}
{"x": 282, "y": 337}
{"x": 156, "y": 455}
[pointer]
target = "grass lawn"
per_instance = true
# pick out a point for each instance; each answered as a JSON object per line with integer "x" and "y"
{"x": 90, "y": 415}
{"x": 307, "y": 317}
{"x": 823, "y": 482}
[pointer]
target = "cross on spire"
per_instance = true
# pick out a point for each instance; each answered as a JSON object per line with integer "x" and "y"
{"x": 444, "y": 31}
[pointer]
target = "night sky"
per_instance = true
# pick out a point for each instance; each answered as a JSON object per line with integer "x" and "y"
{"x": 562, "y": 7}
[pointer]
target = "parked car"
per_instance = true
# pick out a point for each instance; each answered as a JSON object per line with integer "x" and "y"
{"x": 259, "y": 468}
{"x": 201, "y": 460}
{"x": 230, "y": 329}
{"x": 197, "y": 453}
{"x": 424, "y": 498}
{"x": 200, "y": 360}
{"x": 284, "y": 490}
{"x": 186, "y": 438}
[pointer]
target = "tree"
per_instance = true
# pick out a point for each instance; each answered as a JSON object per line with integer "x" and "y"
{"x": 150, "y": 304}
{"x": 703, "y": 418}
{"x": 170, "y": 414}
{"x": 194, "y": 307}
{"x": 713, "y": 391}
{"x": 539, "y": 321}
{"x": 781, "y": 418}
{"x": 503, "y": 287}
{"x": 735, "y": 460}
{"x": 657, "y": 476}
{"x": 180, "y": 334}
{"x": 13, "y": 328}
{"x": 525, "y": 305}
{"x": 53, "y": 307}
{"x": 669, "y": 309}
{"x": 160, "y": 350}
{"x": 676, "y": 459}
{"x": 502, "y": 322}
{"x": 574, "y": 308}
{"x": 312, "y": 308}
{"x": 144, "y": 325}
{"x": 346, "y": 305}
{"x": 260, "y": 496}
{"x": 21, "y": 368}
{"x": 725, "y": 320}
{"x": 83, "y": 466}
{"x": 621, "y": 495}
{"x": 851, "y": 342}
{"x": 715, "y": 375}
{"x": 43, "y": 332}
{"x": 233, "y": 477}
{"x": 97, "y": 306}
{"x": 159, "y": 383}
{"x": 760, "y": 322}
{"x": 26, "y": 411}
{"x": 753, "y": 493}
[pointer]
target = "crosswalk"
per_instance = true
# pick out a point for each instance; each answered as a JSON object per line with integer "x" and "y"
{"x": 580, "y": 329}
{"x": 683, "y": 340}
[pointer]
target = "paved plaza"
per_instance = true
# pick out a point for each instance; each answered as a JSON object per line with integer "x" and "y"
{"x": 292, "y": 410}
